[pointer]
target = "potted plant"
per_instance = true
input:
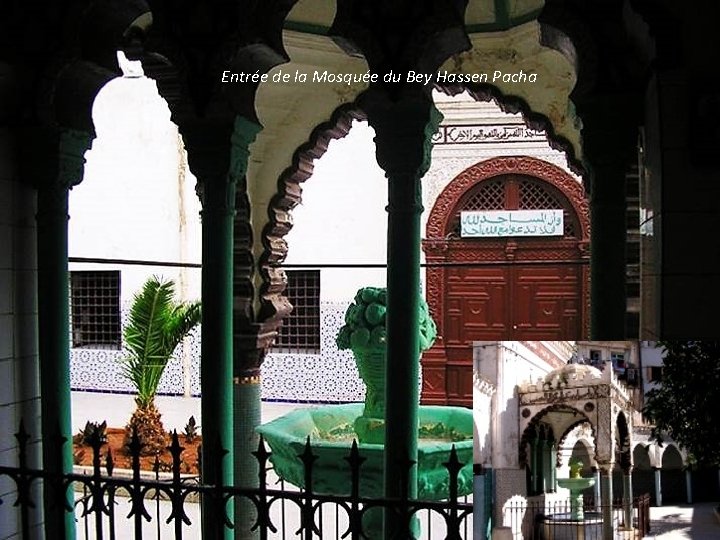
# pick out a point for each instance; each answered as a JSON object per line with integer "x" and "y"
{"x": 156, "y": 325}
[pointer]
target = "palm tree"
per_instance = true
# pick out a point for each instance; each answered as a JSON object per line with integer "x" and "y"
{"x": 156, "y": 325}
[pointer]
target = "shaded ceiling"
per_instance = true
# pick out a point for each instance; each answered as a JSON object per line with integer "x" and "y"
{"x": 316, "y": 16}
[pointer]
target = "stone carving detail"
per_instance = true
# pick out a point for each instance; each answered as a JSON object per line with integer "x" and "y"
{"x": 559, "y": 395}
{"x": 603, "y": 442}
{"x": 435, "y": 276}
{"x": 533, "y": 120}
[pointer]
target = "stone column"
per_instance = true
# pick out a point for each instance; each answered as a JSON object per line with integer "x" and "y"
{"x": 609, "y": 138}
{"x": 479, "y": 506}
{"x": 534, "y": 466}
{"x": 403, "y": 132}
{"x": 658, "y": 487}
{"x": 540, "y": 446}
{"x": 68, "y": 151}
{"x": 688, "y": 485}
{"x": 606, "y": 490}
{"x": 596, "y": 489}
{"x": 209, "y": 157}
{"x": 628, "y": 498}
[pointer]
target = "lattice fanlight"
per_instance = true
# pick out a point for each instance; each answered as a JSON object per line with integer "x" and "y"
{"x": 529, "y": 194}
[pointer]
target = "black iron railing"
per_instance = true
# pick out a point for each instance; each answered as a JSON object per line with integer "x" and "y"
{"x": 546, "y": 520}
{"x": 109, "y": 505}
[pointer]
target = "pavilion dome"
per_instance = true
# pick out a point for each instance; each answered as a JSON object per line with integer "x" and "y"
{"x": 573, "y": 375}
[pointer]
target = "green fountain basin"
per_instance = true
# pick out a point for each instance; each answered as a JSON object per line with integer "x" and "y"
{"x": 331, "y": 436}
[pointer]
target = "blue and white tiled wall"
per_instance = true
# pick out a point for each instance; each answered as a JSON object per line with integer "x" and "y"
{"x": 330, "y": 376}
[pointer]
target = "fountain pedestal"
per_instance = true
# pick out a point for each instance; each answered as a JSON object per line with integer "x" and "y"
{"x": 576, "y": 487}
{"x": 577, "y": 524}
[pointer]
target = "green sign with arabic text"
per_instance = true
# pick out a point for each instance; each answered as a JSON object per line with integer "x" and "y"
{"x": 500, "y": 223}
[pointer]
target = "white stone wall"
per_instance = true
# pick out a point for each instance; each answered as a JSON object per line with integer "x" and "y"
{"x": 19, "y": 373}
{"x": 137, "y": 199}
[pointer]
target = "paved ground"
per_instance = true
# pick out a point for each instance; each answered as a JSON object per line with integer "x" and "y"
{"x": 678, "y": 522}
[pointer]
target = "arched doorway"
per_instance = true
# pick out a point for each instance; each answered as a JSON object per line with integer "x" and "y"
{"x": 643, "y": 475}
{"x": 673, "y": 486}
{"x": 503, "y": 287}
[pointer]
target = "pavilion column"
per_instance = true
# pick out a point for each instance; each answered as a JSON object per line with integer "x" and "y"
{"x": 553, "y": 466}
{"x": 658, "y": 487}
{"x": 596, "y": 489}
{"x": 609, "y": 141}
{"x": 540, "y": 450}
{"x": 403, "y": 134}
{"x": 688, "y": 485}
{"x": 68, "y": 152}
{"x": 210, "y": 158}
{"x": 627, "y": 501}
{"x": 606, "y": 494}
{"x": 534, "y": 466}
{"x": 246, "y": 361}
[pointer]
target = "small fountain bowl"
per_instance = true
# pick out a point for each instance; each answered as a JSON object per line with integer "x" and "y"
{"x": 330, "y": 430}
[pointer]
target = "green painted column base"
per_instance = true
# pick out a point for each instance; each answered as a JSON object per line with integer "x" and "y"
{"x": 246, "y": 403}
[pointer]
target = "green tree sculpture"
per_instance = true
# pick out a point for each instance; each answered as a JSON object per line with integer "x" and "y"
{"x": 686, "y": 405}
{"x": 156, "y": 325}
{"x": 365, "y": 334}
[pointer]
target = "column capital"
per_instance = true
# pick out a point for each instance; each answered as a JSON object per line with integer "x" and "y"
{"x": 403, "y": 131}
{"x": 72, "y": 145}
{"x": 243, "y": 135}
{"x": 218, "y": 153}
{"x": 610, "y": 129}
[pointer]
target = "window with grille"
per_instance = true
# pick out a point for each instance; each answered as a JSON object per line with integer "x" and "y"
{"x": 300, "y": 331}
{"x": 95, "y": 309}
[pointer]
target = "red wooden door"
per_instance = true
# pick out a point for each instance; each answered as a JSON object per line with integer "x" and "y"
{"x": 512, "y": 303}
{"x": 492, "y": 289}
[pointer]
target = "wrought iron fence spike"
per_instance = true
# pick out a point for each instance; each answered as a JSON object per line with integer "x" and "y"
{"x": 109, "y": 464}
{"x": 261, "y": 454}
{"x": 22, "y": 435}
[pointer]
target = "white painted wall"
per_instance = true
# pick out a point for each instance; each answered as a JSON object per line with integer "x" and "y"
{"x": 342, "y": 218}
{"x": 137, "y": 199}
{"x": 505, "y": 364}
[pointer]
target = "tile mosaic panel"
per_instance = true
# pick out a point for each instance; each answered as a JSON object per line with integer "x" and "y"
{"x": 330, "y": 376}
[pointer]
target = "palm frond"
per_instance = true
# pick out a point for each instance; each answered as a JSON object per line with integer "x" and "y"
{"x": 155, "y": 326}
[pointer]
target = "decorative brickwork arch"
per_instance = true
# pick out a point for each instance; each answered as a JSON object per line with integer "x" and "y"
{"x": 509, "y": 288}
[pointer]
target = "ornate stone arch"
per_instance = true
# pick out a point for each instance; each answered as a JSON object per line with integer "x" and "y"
{"x": 511, "y": 104}
{"x": 273, "y": 305}
{"x": 535, "y": 423}
{"x": 595, "y": 396}
{"x": 589, "y": 444}
{"x": 450, "y": 197}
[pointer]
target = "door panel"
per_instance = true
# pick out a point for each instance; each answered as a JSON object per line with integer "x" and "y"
{"x": 512, "y": 302}
{"x": 476, "y": 304}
